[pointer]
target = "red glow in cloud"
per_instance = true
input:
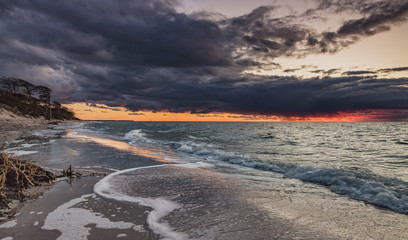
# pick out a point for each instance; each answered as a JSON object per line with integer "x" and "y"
{"x": 377, "y": 115}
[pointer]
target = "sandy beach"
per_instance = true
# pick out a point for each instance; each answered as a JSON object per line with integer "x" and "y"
{"x": 114, "y": 222}
{"x": 13, "y": 126}
{"x": 154, "y": 192}
{"x": 104, "y": 218}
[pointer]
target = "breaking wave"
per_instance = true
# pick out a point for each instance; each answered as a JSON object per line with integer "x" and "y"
{"x": 356, "y": 183}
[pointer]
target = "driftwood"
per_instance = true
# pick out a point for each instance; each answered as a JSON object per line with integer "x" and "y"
{"x": 70, "y": 173}
{"x": 17, "y": 175}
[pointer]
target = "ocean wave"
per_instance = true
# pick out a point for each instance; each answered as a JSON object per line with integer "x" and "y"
{"x": 356, "y": 183}
{"x": 137, "y": 135}
{"x": 388, "y": 193}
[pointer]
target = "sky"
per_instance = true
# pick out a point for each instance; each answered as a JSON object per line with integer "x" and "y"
{"x": 213, "y": 60}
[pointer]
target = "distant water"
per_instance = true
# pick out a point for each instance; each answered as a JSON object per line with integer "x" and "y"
{"x": 218, "y": 168}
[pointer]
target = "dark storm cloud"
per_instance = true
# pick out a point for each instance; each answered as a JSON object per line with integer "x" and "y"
{"x": 102, "y": 106}
{"x": 364, "y": 72}
{"x": 301, "y": 68}
{"x": 383, "y": 70}
{"x": 290, "y": 70}
{"x": 265, "y": 35}
{"x": 389, "y": 70}
{"x": 326, "y": 72}
{"x": 253, "y": 95}
{"x": 126, "y": 32}
{"x": 379, "y": 17}
{"x": 275, "y": 37}
{"x": 145, "y": 55}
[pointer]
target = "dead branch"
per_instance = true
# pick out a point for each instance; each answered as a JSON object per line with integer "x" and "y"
{"x": 16, "y": 175}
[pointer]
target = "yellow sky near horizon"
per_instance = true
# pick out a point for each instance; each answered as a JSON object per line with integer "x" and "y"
{"x": 85, "y": 111}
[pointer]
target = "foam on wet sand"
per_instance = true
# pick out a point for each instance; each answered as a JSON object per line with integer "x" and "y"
{"x": 65, "y": 219}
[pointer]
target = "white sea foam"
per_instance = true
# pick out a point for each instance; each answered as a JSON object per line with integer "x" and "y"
{"x": 19, "y": 152}
{"x": 160, "y": 206}
{"x": 186, "y": 148}
{"x": 72, "y": 221}
{"x": 137, "y": 136}
{"x": 195, "y": 165}
{"x": 208, "y": 151}
{"x": 27, "y": 145}
{"x": 348, "y": 183}
{"x": 138, "y": 228}
{"x": 7, "y": 238}
{"x": 48, "y": 132}
{"x": 89, "y": 168}
{"x": 339, "y": 181}
{"x": 9, "y": 224}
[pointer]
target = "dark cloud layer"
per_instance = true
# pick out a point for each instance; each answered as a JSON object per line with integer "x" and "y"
{"x": 362, "y": 72}
{"x": 379, "y": 71}
{"x": 287, "y": 96}
{"x": 127, "y": 32}
{"x": 274, "y": 37}
{"x": 144, "y": 55}
{"x": 398, "y": 69}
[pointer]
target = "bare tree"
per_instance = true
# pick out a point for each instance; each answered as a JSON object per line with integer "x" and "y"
{"x": 28, "y": 87}
{"x": 11, "y": 84}
{"x": 56, "y": 104}
{"x": 44, "y": 94}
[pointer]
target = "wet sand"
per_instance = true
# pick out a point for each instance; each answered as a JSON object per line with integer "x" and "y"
{"x": 11, "y": 130}
{"x": 13, "y": 126}
{"x": 218, "y": 205}
{"x": 29, "y": 223}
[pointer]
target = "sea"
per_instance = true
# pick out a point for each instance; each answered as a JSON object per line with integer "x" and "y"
{"x": 242, "y": 180}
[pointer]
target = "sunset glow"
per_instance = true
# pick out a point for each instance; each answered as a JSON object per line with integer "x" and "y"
{"x": 102, "y": 112}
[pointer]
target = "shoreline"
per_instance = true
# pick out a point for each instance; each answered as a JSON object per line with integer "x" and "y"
{"x": 13, "y": 127}
{"x": 207, "y": 196}
{"x": 29, "y": 219}
{"x": 45, "y": 218}
{"x": 32, "y": 218}
{"x": 12, "y": 130}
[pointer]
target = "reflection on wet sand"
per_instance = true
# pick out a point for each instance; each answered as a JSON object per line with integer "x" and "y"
{"x": 121, "y": 146}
